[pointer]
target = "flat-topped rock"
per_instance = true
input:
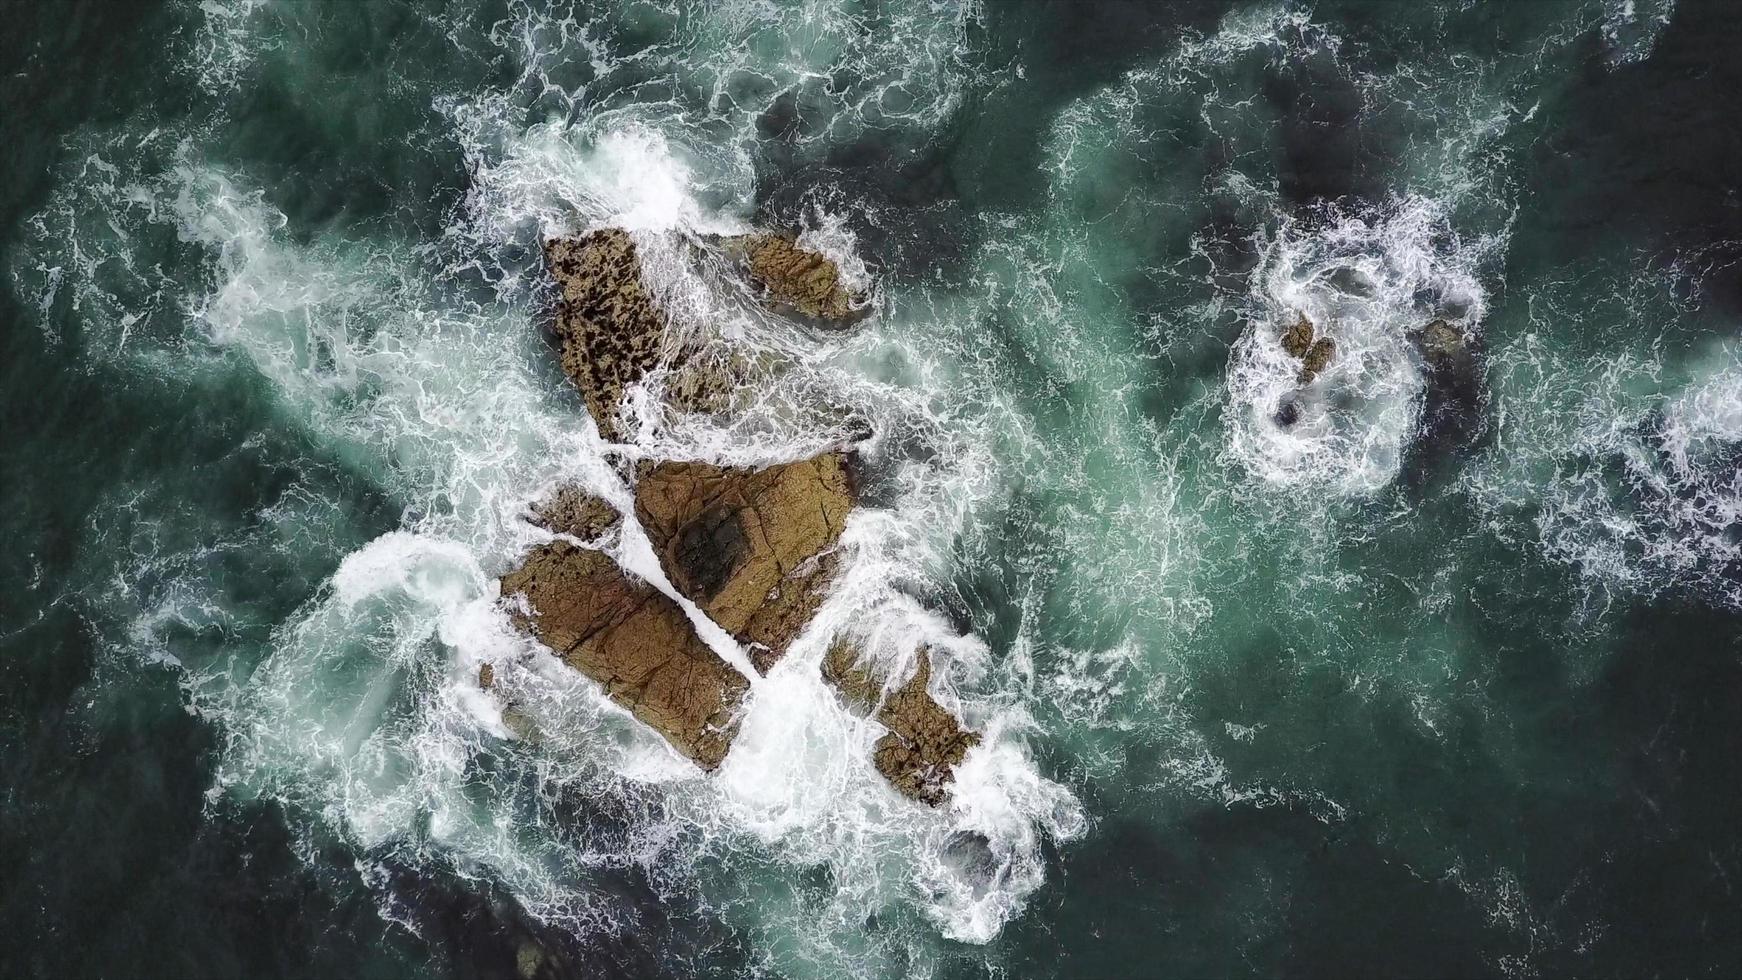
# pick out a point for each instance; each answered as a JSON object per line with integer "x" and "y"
{"x": 924, "y": 743}
{"x": 752, "y": 548}
{"x": 632, "y": 639}
{"x": 797, "y": 280}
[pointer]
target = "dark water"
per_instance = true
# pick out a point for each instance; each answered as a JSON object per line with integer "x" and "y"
{"x": 1439, "y": 680}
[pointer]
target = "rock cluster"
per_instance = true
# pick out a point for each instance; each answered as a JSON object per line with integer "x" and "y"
{"x": 1300, "y": 344}
{"x": 753, "y": 548}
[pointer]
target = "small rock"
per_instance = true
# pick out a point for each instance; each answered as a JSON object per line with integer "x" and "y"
{"x": 575, "y": 512}
{"x": 1298, "y": 339}
{"x": 797, "y": 280}
{"x": 1440, "y": 340}
{"x": 486, "y": 676}
{"x": 924, "y": 743}
{"x": 1317, "y": 357}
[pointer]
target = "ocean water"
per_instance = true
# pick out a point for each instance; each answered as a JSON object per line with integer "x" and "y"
{"x": 1440, "y": 678}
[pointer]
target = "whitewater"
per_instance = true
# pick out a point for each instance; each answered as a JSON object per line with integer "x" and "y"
{"x": 1261, "y": 664}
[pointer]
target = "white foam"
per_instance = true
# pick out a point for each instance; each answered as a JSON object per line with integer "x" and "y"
{"x": 1366, "y": 280}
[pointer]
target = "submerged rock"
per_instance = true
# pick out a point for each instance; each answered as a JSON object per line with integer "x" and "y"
{"x": 634, "y": 641}
{"x": 1454, "y": 408}
{"x": 752, "y": 548}
{"x": 924, "y": 743}
{"x": 797, "y": 280}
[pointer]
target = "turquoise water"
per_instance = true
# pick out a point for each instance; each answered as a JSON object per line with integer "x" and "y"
{"x": 1439, "y": 679}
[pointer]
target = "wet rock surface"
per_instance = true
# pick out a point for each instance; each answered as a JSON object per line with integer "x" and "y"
{"x": 924, "y": 743}
{"x": 613, "y": 335}
{"x": 634, "y": 641}
{"x": 609, "y": 328}
{"x": 751, "y": 547}
{"x": 1314, "y": 352}
{"x": 1454, "y": 406}
{"x": 797, "y": 280}
{"x": 575, "y": 512}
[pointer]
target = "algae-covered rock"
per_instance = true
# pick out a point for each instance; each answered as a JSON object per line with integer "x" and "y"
{"x": 797, "y": 280}
{"x": 752, "y": 548}
{"x": 610, "y": 329}
{"x": 634, "y": 641}
{"x": 924, "y": 743}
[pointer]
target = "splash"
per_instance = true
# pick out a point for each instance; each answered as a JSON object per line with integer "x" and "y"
{"x": 1371, "y": 282}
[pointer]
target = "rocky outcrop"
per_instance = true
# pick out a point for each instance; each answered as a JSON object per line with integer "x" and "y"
{"x": 752, "y": 548}
{"x": 797, "y": 280}
{"x": 612, "y": 334}
{"x": 1314, "y": 354}
{"x": 924, "y": 743}
{"x": 633, "y": 640}
{"x": 610, "y": 330}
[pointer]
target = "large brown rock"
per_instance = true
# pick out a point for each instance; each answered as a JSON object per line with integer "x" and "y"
{"x": 752, "y": 548}
{"x": 797, "y": 280}
{"x": 610, "y": 330}
{"x": 632, "y": 639}
{"x": 924, "y": 743}
{"x": 613, "y": 334}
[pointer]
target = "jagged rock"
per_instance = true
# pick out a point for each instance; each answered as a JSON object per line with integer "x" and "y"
{"x": 1314, "y": 354}
{"x": 924, "y": 743}
{"x": 613, "y": 335}
{"x": 1317, "y": 357}
{"x": 1298, "y": 339}
{"x": 486, "y": 676}
{"x": 575, "y": 512}
{"x": 797, "y": 280}
{"x": 752, "y": 548}
{"x": 632, "y": 639}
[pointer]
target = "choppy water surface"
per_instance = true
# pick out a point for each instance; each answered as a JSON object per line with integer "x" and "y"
{"x": 1408, "y": 670}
